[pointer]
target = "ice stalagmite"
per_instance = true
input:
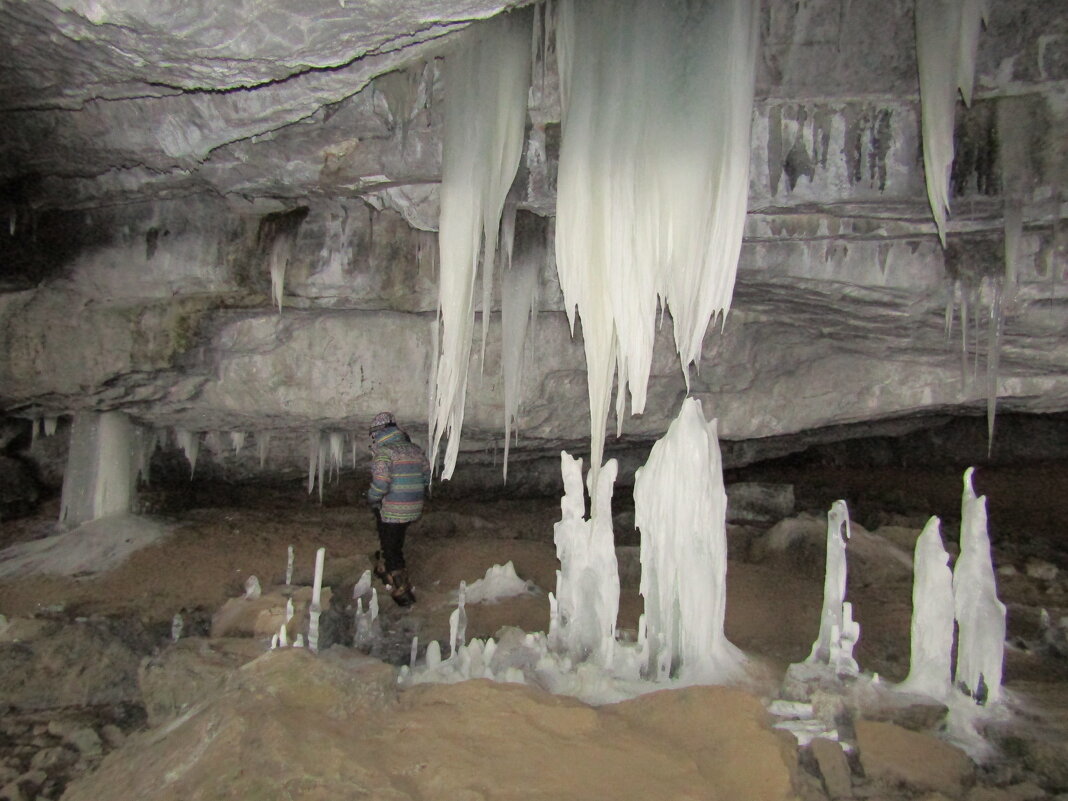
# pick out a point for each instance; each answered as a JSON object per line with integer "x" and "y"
{"x": 947, "y": 36}
{"x": 680, "y": 506}
{"x": 651, "y": 195}
{"x": 834, "y": 584}
{"x": 980, "y": 615}
{"x": 932, "y": 616}
{"x": 486, "y": 83}
{"x": 586, "y": 604}
{"x": 105, "y": 457}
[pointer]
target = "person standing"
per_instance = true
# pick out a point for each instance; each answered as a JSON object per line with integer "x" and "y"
{"x": 400, "y": 475}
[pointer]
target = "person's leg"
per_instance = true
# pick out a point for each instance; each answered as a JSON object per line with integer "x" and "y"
{"x": 391, "y": 540}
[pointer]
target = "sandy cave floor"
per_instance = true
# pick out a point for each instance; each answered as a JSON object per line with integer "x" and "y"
{"x": 772, "y": 604}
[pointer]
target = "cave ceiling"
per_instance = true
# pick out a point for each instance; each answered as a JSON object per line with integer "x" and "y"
{"x": 147, "y": 149}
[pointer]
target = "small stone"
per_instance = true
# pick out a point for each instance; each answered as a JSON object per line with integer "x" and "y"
{"x": 834, "y": 767}
{"x": 112, "y": 735}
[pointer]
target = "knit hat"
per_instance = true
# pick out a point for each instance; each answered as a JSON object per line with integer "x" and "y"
{"x": 382, "y": 420}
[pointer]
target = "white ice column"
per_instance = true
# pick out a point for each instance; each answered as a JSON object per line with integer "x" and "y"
{"x": 834, "y": 584}
{"x": 102, "y": 467}
{"x": 980, "y": 615}
{"x": 587, "y": 585}
{"x": 932, "y": 616}
{"x": 680, "y": 505}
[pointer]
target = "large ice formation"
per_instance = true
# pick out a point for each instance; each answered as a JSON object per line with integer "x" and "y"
{"x": 680, "y": 506}
{"x": 584, "y": 610}
{"x": 932, "y": 616}
{"x": 106, "y": 456}
{"x": 652, "y": 195}
{"x": 832, "y": 618}
{"x": 486, "y": 81}
{"x": 947, "y": 36}
{"x": 980, "y": 615}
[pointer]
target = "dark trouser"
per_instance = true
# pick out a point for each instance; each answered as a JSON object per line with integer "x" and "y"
{"x": 391, "y": 540}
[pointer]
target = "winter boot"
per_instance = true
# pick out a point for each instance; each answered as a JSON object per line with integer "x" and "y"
{"x": 400, "y": 589}
{"x": 378, "y": 567}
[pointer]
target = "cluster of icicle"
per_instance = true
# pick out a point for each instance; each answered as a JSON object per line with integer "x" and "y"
{"x": 652, "y": 195}
{"x": 486, "y": 81}
{"x": 680, "y": 506}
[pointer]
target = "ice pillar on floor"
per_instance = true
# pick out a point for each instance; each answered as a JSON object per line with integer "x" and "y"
{"x": 980, "y": 615}
{"x": 680, "y": 505}
{"x": 832, "y": 617}
{"x": 106, "y": 455}
{"x": 586, "y": 605}
{"x": 932, "y": 616}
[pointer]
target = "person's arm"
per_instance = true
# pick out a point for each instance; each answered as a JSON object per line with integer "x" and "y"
{"x": 380, "y": 479}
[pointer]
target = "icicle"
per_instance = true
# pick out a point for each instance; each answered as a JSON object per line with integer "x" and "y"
{"x": 337, "y": 447}
{"x": 652, "y": 195}
{"x": 289, "y": 566}
{"x": 947, "y": 35}
{"x": 980, "y": 615}
{"x": 932, "y": 616}
{"x": 993, "y": 361}
{"x": 50, "y": 423}
{"x": 101, "y": 474}
{"x": 487, "y": 80}
{"x": 834, "y": 584}
{"x": 680, "y": 506}
{"x": 519, "y": 300}
{"x": 401, "y": 89}
{"x": 237, "y": 440}
{"x": 189, "y": 443}
{"x": 263, "y": 443}
{"x": 316, "y": 462}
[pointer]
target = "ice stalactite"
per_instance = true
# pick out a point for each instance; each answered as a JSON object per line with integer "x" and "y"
{"x": 337, "y": 452}
{"x": 401, "y": 91}
{"x": 277, "y": 237}
{"x": 520, "y": 285}
{"x": 106, "y": 454}
{"x": 651, "y": 195}
{"x": 486, "y": 81}
{"x": 237, "y": 440}
{"x": 189, "y": 443}
{"x": 263, "y": 446}
{"x": 947, "y": 37}
{"x": 316, "y": 462}
{"x": 834, "y": 585}
{"x": 583, "y": 612}
{"x": 980, "y": 615}
{"x": 680, "y": 506}
{"x": 932, "y": 616}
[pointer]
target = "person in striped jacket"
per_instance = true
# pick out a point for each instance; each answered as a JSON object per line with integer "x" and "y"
{"x": 400, "y": 474}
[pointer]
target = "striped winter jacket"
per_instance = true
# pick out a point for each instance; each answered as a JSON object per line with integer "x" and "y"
{"x": 400, "y": 473}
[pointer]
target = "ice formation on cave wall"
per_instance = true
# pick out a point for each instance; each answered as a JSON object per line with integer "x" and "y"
{"x": 106, "y": 456}
{"x": 486, "y": 81}
{"x": 680, "y": 506}
{"x": 189, "y": 443}
{"x": 947, "y": 36}
{"x": 932, "y": 616}
{"x": 980, "y": 615}
{"x": 834, "y": 585}
{"x": 651, "y": 196}
{"x": 583, "y": 612}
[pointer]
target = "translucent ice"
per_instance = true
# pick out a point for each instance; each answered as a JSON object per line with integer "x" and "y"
{"x": 499, "y": 582}
{"x": 980, "y": 615}
{"x": 834, "y": 584}
{"x": 587, "y": 585}
{"x": 105, "y": 456}
{"x": 680, "y": 506}
{"x": 932, "y": 616}
{"x": 651, "y": 195}
{"x": 947, "y": 36}
{"x": 486, "y": 83}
